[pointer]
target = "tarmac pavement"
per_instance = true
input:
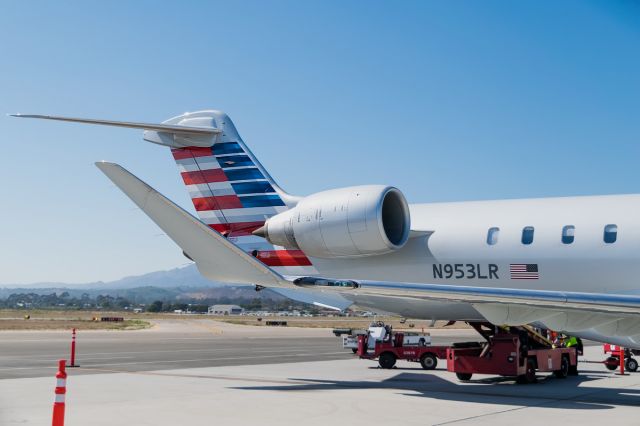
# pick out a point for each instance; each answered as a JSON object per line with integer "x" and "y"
{"x": 309, "y": 383}
{"x": 175, "y": 344}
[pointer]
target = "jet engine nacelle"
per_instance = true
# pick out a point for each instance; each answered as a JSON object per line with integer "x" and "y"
{"x": 346, "y": 222}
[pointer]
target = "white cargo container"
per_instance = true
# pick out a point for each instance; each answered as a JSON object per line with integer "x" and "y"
{"x": 378, "y": 333}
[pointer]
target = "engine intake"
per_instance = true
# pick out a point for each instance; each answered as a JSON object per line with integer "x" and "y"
{"x": 346, "y": 222}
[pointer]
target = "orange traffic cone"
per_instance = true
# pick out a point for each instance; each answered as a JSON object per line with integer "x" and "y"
{"x": 61, "y": 390}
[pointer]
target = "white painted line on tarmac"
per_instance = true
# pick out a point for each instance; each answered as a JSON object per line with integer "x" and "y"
{"x": 223, "y": 359}
{"x": 93, "y": 354}
{"x": 26, "y": 368}
{"x": 48, "y": 361}
{"x": 160, "y": 361}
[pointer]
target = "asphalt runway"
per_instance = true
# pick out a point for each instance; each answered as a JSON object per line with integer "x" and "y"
{"x": 171, "y": 345}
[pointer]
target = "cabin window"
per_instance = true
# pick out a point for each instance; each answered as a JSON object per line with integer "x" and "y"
{"x": 492, "y": 236}
{"x": 568, "y": 234}
{"x": 610, "y": 234}
{"x": 527, "y": 235}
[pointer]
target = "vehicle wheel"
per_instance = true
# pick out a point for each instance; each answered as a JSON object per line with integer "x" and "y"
{"x": 429, "y": 361}
{"x": 464, "y": 376}
{"x": 611, "y": 363}
{"x": 387, "y": 360}
{"x": 354, "y": 350}
{"x": 530, "y": 374}
{"x": 564, "y": 368}
{"x": 631, "y": 364}
{"x": 573, "y": 370}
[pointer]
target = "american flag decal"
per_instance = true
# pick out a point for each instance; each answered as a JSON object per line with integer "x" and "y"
{"x": 524, "y": 271}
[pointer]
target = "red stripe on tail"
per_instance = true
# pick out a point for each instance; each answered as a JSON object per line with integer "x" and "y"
{"x": 236, "y": 229}
{"x": 217, "y": 203}
{"x": 203, "y": 176}
{"x": 268, "y": 257}
{"x": 283, "y": 258}
{"x": 182, "y": 153}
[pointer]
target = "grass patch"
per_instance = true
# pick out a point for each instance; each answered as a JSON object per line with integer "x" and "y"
{"x": 69, "y": 323}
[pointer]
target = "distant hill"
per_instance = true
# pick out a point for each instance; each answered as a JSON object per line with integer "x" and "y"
{"x": 179, "y": 277}
{"x": 179, "y": 284}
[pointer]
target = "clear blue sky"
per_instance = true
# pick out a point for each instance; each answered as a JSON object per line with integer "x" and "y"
{"x": 446, "y": 100}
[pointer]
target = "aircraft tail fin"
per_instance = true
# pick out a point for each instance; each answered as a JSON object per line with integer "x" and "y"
{"x": 230, "y": 189}
{"x": 233, "y": 193}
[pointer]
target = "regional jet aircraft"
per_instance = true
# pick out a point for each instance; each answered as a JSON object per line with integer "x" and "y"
{"x": 568, "y": 264}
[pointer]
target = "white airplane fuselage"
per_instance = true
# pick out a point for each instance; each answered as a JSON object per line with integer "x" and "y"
{"x": 456, "y": 249}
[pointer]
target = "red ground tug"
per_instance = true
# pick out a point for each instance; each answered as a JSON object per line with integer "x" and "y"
{"x": 507, "y": 351}
{"x": 382, "y": 343}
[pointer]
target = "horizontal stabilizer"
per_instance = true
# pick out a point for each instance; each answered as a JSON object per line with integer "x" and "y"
{"x": 216, "y": 257}
{"x": 165, "y": 128}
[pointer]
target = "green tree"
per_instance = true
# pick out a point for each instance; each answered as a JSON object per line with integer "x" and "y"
{"x": 156, "y": 306}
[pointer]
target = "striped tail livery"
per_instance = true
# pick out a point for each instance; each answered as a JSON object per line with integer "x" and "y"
{"x": 233, "y": 193}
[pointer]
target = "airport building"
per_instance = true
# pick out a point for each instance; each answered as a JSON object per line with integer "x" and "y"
{"x": 225, "y": 310}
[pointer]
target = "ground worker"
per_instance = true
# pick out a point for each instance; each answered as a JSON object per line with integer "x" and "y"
{"x": 574, "y": 342}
